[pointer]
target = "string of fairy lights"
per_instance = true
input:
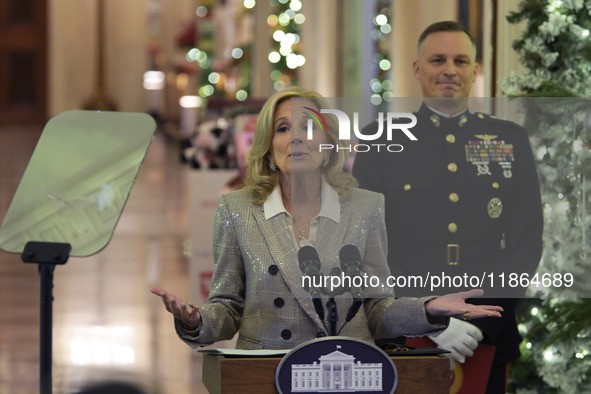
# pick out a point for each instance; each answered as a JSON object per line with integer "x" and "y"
{"x": 285, "y": 21}
{"x": 285, "y": 56}
{"x": 381, "y": 83}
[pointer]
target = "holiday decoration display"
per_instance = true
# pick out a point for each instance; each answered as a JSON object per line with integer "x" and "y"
{"x": 555, "y": 50}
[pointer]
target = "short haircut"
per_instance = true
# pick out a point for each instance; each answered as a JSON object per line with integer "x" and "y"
{"x": 450, "y": 26}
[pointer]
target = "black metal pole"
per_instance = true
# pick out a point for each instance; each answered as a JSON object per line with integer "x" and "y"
{"x": 46, "y": 328}
{"x": 46, "y": 255}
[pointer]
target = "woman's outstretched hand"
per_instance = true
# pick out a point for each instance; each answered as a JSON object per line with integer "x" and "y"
{"x": 454, "y": 305}
{"x": 184, "y": 312}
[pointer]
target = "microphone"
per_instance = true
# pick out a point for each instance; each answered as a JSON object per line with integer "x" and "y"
{"x": 310, "y": 266}
{"x": 351, "y": 265}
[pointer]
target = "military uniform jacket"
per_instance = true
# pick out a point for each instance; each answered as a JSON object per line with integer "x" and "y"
{"x": 464, "y": 198}
{"x": 256, "y": 289}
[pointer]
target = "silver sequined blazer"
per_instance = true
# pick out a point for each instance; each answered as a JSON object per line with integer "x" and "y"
{"x": 257, "y": 289}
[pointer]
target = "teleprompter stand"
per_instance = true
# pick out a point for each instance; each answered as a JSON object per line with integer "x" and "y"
{"x": 71, "y": 196}
{"x": 47, "y": 255}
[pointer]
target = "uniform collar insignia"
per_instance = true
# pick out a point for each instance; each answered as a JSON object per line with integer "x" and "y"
{"x": 435, "y": 120}
{"x": 463, "y": 120}
{"x": 486, "y": 137}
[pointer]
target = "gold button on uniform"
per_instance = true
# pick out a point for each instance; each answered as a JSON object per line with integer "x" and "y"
{"x": 495, "y": 185}
{"x": 452, "y": 227}
{"x": 452, "y": 167}
{"x": 453, "y": 197}
{"x": 407, "y": 187}
{"x": 450, "y": 138}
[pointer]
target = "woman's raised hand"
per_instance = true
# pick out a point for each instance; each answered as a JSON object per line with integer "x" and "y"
{"x": 187, "y": 314}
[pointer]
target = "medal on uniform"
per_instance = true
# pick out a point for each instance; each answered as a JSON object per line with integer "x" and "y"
{"x": 486, "y": 150}
{"x": 506, "y": 166}
{"x": 482, "y": 168}
{"x": 495, "y": 207}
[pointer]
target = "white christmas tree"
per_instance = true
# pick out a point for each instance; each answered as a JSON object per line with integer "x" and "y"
{"x": 555, "y": 50}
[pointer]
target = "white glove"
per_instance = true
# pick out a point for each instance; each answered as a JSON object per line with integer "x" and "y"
{"x": 460, "y": 338}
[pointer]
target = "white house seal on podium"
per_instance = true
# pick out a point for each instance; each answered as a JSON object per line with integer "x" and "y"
{"x": 336, "y": 365}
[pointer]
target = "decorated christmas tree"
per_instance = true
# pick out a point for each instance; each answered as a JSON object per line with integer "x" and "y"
{"x": 555, "y": 50}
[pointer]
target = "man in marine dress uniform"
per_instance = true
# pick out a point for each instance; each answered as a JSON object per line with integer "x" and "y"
{"x": 464, "y": 198}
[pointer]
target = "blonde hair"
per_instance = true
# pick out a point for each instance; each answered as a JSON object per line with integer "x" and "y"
{"x": 259, "y": 177}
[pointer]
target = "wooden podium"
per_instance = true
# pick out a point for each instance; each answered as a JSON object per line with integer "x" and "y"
{"x": 416, "y": 374}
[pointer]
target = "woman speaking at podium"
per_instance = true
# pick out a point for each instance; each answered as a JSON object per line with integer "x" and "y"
{"x": 297, "y": 195}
